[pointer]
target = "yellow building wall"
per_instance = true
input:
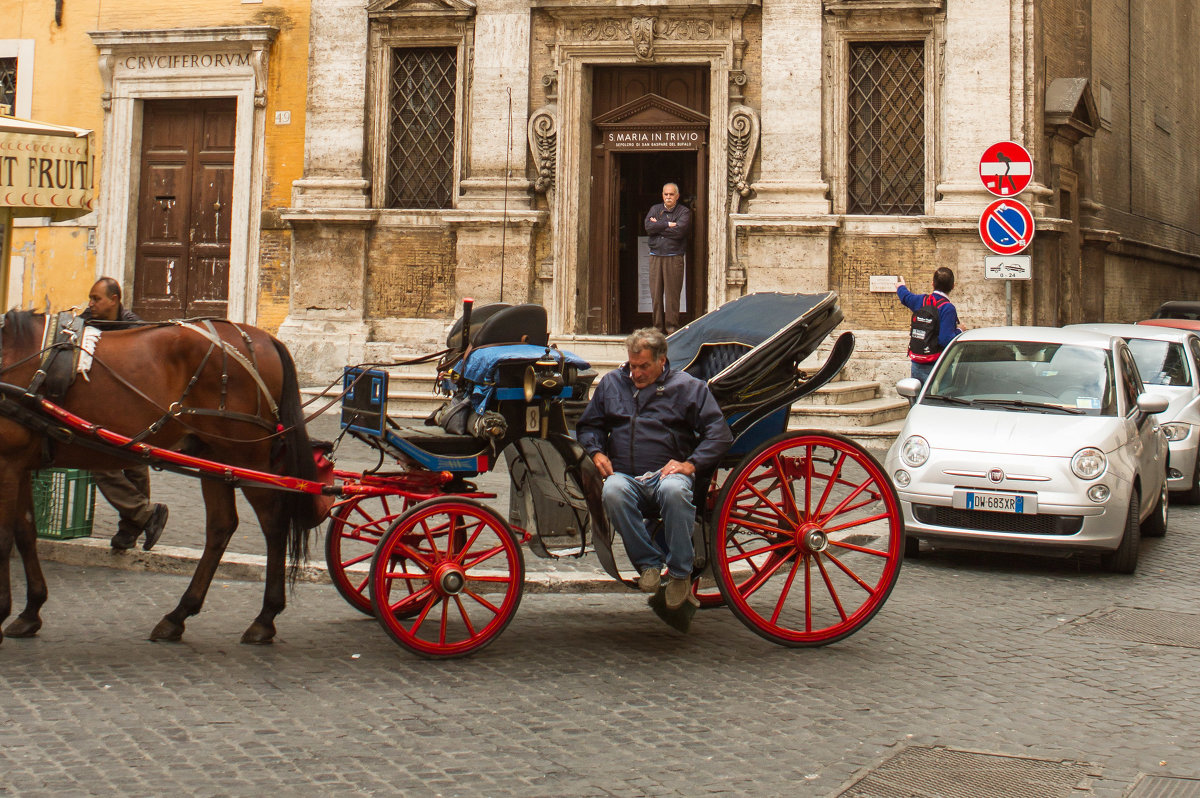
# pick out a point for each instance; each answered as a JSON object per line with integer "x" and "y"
{"x": 67, "y": 85}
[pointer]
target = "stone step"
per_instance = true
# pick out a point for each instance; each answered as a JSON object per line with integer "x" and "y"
{"x": 842, "y": 392}
{"x": 867, "y": 413}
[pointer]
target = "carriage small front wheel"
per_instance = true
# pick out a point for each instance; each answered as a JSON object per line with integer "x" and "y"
{"x": 808, "y": 539}
{"x": 447, "y": 577}
{"x": 355, "y": 528}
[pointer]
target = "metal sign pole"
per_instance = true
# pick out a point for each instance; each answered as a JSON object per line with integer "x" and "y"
{"x": 1008, "y": 301}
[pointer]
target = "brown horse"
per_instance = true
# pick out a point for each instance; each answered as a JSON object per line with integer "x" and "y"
{"x": 199, "y": 396}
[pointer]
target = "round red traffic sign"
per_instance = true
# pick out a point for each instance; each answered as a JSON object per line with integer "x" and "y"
{"x": 1006, "y": 169}
{"x": 1006, "y": 227}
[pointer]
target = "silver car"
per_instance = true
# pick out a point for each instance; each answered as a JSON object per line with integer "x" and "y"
{"x": 1034, "y": 439}
{"x": 1169, "y": 361}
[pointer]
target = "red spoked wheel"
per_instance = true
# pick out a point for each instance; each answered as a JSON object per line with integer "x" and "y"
{"x": 808, "y": 539}
{"x": 351, "y": 539}
{"x": 447, "y": 577}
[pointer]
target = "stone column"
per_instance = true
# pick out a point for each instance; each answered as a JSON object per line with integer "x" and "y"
{"x": 500, "y": 70}
{"x": 330, "y": 215}
{"x": 494, "y": 226}
{"x": 790, "y": 181}
{"x": 982, "y": 85}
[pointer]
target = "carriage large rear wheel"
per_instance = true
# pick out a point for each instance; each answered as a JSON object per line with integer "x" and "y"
{"x": 354, "y": 532}
{"x": 808, "y": 539}
{"x": 447, "y": 577}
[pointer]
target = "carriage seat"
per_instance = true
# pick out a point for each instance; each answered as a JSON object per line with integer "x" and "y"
{"x": 712, "y": 359}
{"x": 502, "y": 323}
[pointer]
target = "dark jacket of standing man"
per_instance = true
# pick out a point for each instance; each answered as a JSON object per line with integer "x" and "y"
{"x": 127, "y": 490}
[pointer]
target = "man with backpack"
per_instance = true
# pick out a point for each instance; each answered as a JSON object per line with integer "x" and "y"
{"x": 934, "y": 321}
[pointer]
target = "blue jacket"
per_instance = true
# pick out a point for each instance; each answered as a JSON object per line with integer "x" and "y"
{"x": 947, "y": 314}
{"x": 676, "y": 418}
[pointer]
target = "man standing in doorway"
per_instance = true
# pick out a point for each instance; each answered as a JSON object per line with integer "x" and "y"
{"x": 668, "y": 224}
{"x": 127, "y": 490}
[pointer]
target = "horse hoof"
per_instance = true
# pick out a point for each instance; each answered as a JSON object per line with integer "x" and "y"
{"x": 259, "y": 635}
{"x": 167, "y": 631}
{"x": 21, "y": 627}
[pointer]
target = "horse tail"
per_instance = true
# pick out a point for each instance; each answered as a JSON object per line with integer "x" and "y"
{"x": 296, "y": 460}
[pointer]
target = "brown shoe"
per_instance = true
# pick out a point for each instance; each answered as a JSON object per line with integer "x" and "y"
{"x": 649, "y": 580}
{"x": 677, "y": 592}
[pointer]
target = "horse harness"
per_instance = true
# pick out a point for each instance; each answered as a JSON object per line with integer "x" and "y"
{"x": 62, "y": 345}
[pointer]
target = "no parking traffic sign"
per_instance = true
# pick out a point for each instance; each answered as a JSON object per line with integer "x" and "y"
{"x": 1006, "y": 227}
{"x": 1006, "y": 169}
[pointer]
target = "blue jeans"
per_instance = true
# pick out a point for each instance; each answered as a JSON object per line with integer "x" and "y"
{"x": 629, "y": 501}
{"x": 921, "y": 371}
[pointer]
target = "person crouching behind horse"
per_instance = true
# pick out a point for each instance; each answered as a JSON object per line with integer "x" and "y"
{"x": 127, "y": 490}
{"x": 649, "y": 429}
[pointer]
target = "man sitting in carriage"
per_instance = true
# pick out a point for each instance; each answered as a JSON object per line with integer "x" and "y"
{"x": 649, "y": 430}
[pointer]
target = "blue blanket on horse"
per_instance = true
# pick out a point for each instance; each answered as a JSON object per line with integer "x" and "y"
{"x": 480, "y": 367}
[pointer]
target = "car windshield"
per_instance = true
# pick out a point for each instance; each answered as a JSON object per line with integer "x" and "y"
{"x": 1025, "y": 376}
{"x": 1160, "y": 362}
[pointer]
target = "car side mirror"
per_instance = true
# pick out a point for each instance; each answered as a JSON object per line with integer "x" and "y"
{"x": 1152, "y": 403}
{"x": 908, "y": 387}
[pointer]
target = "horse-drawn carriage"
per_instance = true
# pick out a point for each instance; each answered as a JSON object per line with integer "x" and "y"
{"x": 799, "y": 531}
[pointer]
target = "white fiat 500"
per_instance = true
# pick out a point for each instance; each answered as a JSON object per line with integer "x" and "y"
{"x": 1035, "y": 439}
{"x": 1169, "y": 361}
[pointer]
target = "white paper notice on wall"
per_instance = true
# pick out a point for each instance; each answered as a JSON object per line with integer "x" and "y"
{"x": 645, "y": 302}
{"x": 883, "y": 283}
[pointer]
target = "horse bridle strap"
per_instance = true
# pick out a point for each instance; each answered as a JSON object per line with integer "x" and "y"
{"x": 232, "y": 352}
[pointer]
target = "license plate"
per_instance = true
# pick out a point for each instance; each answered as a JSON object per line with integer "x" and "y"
{"x": 533, "y": 418}
{"x": 1023, "y": 503}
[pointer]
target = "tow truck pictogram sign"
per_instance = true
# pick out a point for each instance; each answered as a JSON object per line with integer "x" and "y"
{"x": 1006, "y": 169}
{"x": 1006, "y": 227}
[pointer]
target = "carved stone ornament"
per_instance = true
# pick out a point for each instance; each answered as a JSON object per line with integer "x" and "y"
{"x": 423, "y": 8}
{"x": 543, "y": 145}
{"x": 642, "y": 31}
{"x": 743, "y": 145}
{"x": 620, "y": 30}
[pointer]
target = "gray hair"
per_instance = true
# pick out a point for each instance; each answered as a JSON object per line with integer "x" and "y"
{"x": 650, "y": 338}
{"x": 672, "y": 185}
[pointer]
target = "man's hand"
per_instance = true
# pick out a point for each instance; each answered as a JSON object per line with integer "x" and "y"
{"x": 654, "y": 219}
{"x": 603, "y": 464}
{"x": 899, "y": 281}
{"x": 672, "y": 224}
{"x": 676, "y": 467}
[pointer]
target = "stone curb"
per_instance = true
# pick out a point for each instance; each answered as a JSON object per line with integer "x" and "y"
{"x": 180, "y": 560}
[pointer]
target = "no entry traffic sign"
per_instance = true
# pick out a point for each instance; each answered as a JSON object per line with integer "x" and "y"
{"x": 1006, "y": 227}
{"x": 1006, "y": 169}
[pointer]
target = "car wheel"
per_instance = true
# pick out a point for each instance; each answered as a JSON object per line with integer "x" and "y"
{"x": 1156, "y": 523}
{"x": 1124, "y": 560}
{"x": 1192, "y": 494}
{"x": 912, "y": 547}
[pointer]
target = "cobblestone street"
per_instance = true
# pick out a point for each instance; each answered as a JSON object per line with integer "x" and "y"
{"x": 592, "y": 695}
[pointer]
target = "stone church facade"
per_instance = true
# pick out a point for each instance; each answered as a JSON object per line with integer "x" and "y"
{"x": 507, "y": 150}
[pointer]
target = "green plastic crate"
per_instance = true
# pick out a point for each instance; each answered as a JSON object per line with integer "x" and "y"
{"x": 64, "y": 501}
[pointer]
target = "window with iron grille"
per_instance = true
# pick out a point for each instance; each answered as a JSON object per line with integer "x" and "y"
{"x": 886, "y": 99}
{"x": 420, "y": 147}
{"x": 8, "y": 83}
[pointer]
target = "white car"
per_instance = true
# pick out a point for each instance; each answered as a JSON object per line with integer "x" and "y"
{"x": 1034, "y": 439}
{"x": 1169, "y": 362}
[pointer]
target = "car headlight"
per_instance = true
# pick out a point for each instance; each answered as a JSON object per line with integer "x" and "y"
{"x": 1176, "y": 430}
{"x": 1089, "y": 463}
{"x": 902, "y": 478}
{"x": 915, "y": 451}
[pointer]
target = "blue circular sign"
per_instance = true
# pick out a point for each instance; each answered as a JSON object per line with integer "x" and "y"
{"x": 1006, "y": 227}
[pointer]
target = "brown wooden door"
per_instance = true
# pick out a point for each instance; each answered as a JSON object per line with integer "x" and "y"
{"x": 626, "y": 184}
{"x": 184, "y": 204}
